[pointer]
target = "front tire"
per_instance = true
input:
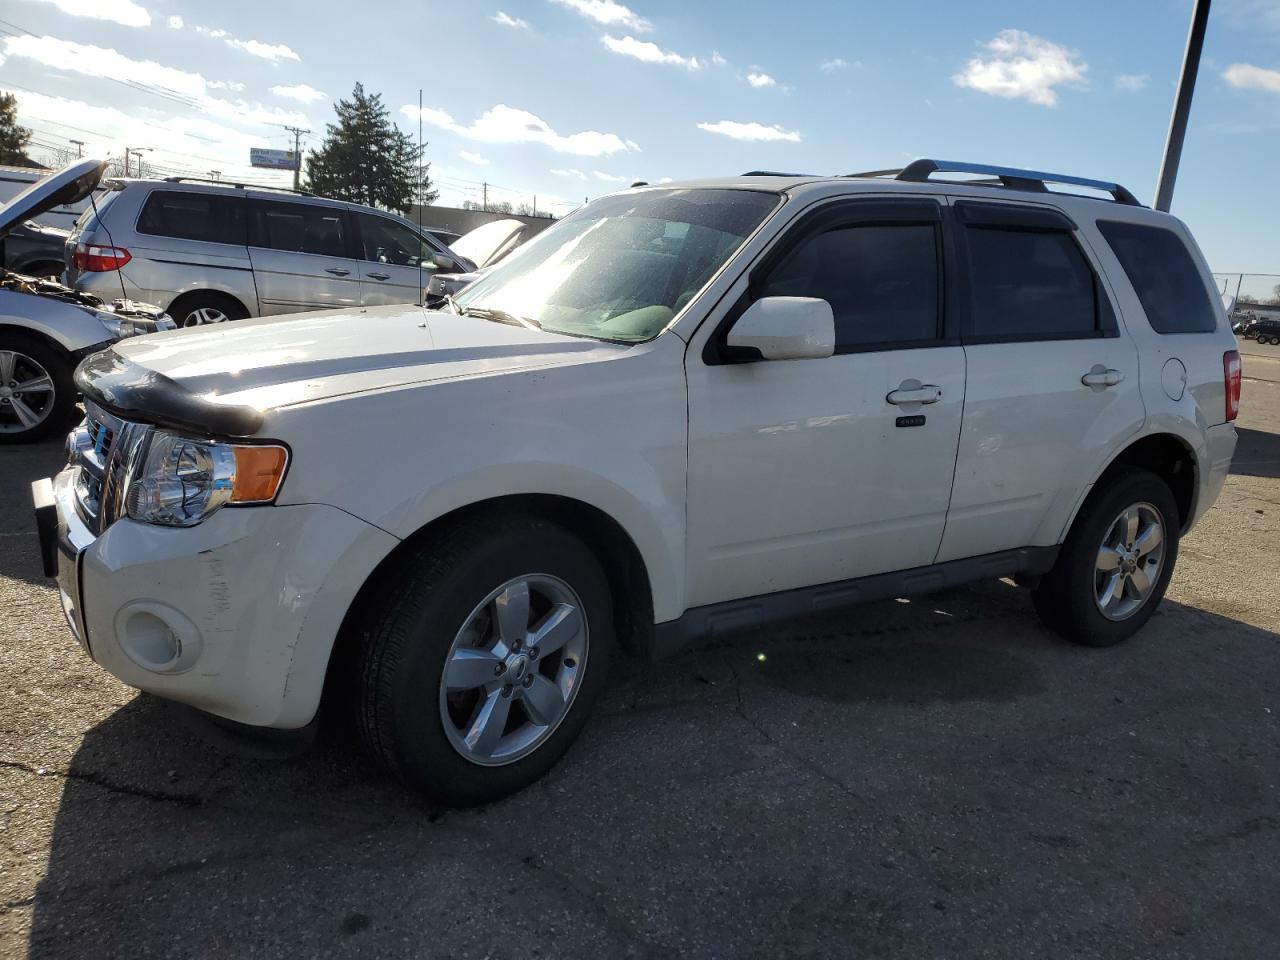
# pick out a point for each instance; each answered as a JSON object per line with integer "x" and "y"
{"x": 1116, "y": 562}
{"x": 480, "y": 657}
{"x": 37, "y": 395}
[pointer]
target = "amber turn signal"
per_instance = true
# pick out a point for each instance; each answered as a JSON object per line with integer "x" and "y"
{"x": 259, "y": 470}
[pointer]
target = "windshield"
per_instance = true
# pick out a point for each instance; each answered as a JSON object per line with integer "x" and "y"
{"x": 620, "y": 268}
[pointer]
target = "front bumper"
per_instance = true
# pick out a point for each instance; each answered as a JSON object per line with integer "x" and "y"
{"x": 235, "y": 616}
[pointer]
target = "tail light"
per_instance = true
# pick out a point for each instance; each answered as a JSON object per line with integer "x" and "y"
{"x": 1231, "y": 376}
{"x": 97, "y": 259}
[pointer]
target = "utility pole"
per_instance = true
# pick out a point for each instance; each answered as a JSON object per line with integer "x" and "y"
{"x": 535, "y": 204}
{"x": 484, "y": 204}
{"x": 135, "y": 151}
{"x": 215, "y": 174}
{"x": 79, "y": 148}
{"x": 297, "y": 151}
{"x": 1182, "y": 106}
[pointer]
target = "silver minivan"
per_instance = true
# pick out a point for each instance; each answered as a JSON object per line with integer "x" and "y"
{"x": 213, "y": 251}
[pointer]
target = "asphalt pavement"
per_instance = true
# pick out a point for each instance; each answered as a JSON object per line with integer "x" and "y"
{"x": 933, "y": 778}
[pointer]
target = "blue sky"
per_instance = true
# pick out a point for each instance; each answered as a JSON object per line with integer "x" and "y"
{"x": 572, "y": 98}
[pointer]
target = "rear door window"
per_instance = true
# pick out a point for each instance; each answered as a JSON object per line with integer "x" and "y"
{"x": 1164, "y": 276}
{"x": 193, "y": 216}
{"x": 1029, "y": 284}
{"x": 300, "y": 228}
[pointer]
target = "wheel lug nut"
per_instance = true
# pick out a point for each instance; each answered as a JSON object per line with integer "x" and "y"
{"x": 528, "y": 680}
{"x": 506, "y": 690}
{"x": 533, "y": 653}
{"x": 515, "y": 644}
{"x": 499, "y": 669}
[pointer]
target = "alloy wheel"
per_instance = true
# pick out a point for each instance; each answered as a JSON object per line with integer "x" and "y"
{"x": 203, "y": 315}
{"x": 1130, "y": 560}
{"x": 27, "y": 393}
{"x": 513, "y": 670}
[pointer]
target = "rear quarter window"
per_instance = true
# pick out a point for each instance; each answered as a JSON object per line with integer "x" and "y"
{"x": 193, "y": 216}
{"x": 1164, "y": 275}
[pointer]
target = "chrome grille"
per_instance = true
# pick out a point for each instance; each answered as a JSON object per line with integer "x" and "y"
{"x": 103, "y": 451}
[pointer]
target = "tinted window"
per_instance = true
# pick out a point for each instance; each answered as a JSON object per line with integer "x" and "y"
{"x": 193, "y": 216}
{"x": 300, "y": 228}
{"x": 1029, "y": 284}
{"x": 386, "y": 241}
{"x": 1164, "y": 276}
{"x": 881, "y": 281}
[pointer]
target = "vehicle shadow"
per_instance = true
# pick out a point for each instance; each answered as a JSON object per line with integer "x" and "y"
{"x": 20, "y": 547}
{"x": 870, "y": 783}
{"x": 1257, "y": 453}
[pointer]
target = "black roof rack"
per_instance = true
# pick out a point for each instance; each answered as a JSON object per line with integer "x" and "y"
{"x": 239, "y": 186}
{"x": 1012, "y": 178}
{"x": 774, "y": 173}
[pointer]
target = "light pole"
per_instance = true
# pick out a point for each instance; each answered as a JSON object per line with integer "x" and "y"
{"x": 1182, "y": 106}
{"x": 138, "y": 152}
{"x": 79, "y": 148}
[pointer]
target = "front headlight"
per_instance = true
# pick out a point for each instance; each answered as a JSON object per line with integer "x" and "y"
{"x": 182, "y": 481}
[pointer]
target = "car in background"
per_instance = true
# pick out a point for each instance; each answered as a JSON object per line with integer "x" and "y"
{"x": 1265, "y": 331}
{"x": 444, "y": 236}
{"x": 211, "y": 251}
{"x": 14, "y": 180}
{"x": 46, "y": 329}
{"x": 35, "y": 250}
{"x": 484, "y": 246}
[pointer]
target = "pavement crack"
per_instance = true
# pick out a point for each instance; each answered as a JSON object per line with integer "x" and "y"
{"x": 104, "y": 783}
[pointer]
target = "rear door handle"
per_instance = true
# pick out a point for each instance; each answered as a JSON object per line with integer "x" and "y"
{"x": 1100, "y": 377}
{"x": 913, "y": 391}
{"x": 337, "y": 271}
{"x": 378, "y": 276}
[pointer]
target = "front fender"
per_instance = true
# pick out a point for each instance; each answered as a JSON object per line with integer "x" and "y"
{"x": 72, "y": 327}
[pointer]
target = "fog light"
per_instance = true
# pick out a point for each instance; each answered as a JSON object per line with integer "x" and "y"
{"x": 157, "y": 638}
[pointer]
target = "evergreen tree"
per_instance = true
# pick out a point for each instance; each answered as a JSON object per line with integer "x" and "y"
{"x": 13, "y": 138}
{"x": 365, "y": 158}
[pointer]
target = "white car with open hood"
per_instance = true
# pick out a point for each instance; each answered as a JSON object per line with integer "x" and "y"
{"x": 47, "y": 328}
{"x": 682, "y": 410}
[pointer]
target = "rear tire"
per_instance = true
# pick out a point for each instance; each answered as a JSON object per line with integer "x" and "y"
{"x": 205, "y": 307}
{"x": 1076, "y": 598}
{"x": 437, "y": 608}
{"x": 37, "y": 395}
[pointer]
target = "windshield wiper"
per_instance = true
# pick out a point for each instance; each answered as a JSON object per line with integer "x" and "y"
{"x": 500, "y": 316}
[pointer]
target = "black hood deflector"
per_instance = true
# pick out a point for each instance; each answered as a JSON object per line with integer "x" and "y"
{"x": 137, "y": 393}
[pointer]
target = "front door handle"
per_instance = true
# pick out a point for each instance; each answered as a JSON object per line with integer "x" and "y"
{"x": 1100, "y": 377}
{"x": 337, "y": 271}
{"x": 378, "y": 276}
{"x": 913, "y": 391}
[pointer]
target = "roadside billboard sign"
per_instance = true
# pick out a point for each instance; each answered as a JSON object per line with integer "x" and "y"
{"x": 273, "y": 159}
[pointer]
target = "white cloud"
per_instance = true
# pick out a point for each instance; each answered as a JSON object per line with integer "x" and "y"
{"x": 235, "y": 86}
{"x": 664, "y": 179}
{"x": 124, "y": 12}
{"x": 192, "y": 88}
{"x": 648, "y": 52}
{"x": 475, "y": 158}
{"x": 717, "y": 60}
{"x": 831, "y": 66}
{"x": 1132, "y": 82}
{"x": 1019, "y": 65}
{"x": 750, "y": 131}
{"x": 608, "y": 13}
{"x": 176, "y": 23}
{"x": 560, "y": 172}
{"x": 506, "y": 20}
{"x": 275, "y": 52}
{"x": 503, "y": 124}
{"x": 1248, "y": 77}
{"x": 759, "y": 79}
{"x": 611, "y": 177}
{"x": 300, "y": 92}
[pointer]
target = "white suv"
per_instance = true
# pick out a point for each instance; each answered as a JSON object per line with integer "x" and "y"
{"x": 683, "y": 410}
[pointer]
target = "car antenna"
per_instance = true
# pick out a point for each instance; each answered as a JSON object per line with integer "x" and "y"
{"x": 421, "y": 246}
{"x": 124, "y": 294}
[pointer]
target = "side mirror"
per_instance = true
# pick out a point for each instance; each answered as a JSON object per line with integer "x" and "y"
{"x": 443, "y": 263}
{"x": 784, "y": 328}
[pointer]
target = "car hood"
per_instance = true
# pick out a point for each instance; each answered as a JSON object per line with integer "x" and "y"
{"x": 223, "y": 378}
{"x": 71, "y": 184}
{"x": 488, "y": 242}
